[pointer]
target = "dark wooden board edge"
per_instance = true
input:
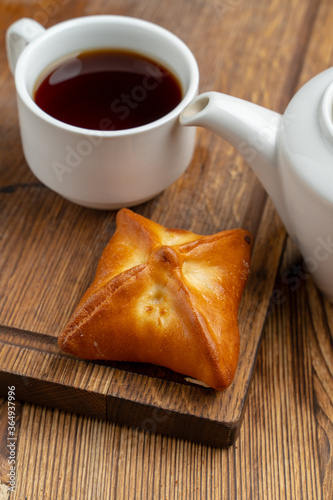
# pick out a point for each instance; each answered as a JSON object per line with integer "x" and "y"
{"x": 111, "y": 403}
{"x": 54, "y": 395}
{"x": 118, "y": 410}
{"x": 218, "y": 434}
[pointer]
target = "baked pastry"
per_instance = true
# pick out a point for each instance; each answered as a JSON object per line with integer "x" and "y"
{"x": 164, "y": 296}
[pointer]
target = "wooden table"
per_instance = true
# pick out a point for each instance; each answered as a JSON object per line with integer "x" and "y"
{"x": 256, "y": 50}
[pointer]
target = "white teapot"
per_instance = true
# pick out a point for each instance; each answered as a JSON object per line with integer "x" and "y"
{"x": 292, "y": 155}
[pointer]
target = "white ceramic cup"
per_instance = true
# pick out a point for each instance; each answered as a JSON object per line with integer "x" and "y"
{"x": 101, "y": 169}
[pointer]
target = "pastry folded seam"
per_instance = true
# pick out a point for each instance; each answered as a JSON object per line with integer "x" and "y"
{"x": 167, "y": 297}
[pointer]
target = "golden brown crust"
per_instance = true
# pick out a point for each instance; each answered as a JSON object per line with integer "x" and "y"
{"x": 167, "y": 297}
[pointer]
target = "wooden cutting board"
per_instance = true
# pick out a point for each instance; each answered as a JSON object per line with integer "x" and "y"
{"x": 49, "y": 249}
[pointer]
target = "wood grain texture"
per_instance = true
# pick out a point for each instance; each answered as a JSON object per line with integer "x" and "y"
{"x": 257, "y": 50}
{"x": 50, "y": 249}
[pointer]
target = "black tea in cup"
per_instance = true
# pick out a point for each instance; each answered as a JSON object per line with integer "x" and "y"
{"x": 107, "y": 89}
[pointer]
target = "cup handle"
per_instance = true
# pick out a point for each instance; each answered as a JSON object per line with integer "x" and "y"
{"x": 18, "y": 36}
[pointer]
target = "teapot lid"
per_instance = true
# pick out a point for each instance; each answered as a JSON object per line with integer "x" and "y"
{"x": 307, "y": 133}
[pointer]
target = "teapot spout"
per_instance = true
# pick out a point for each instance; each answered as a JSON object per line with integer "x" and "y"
{"x": 251, "y": 129}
